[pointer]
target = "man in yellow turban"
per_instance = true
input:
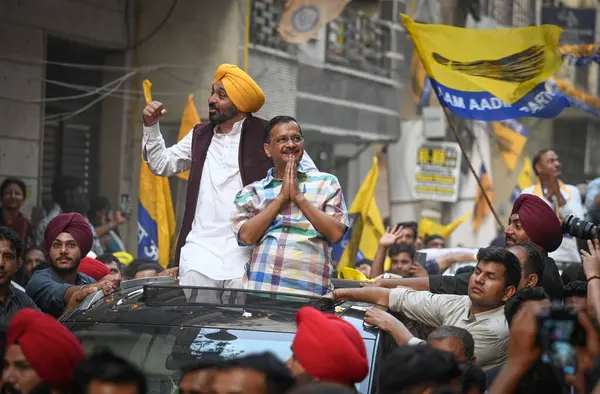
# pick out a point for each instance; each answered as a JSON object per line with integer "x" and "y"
{"x": 223, "y": 156}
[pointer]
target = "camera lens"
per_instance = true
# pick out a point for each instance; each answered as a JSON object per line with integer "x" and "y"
{"x": 579, "y": 228}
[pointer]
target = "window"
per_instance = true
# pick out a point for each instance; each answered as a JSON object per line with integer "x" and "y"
{"x": 161, "y": 351}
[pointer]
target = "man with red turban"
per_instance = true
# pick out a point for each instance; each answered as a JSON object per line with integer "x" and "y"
{"x": 68, "y": 238}
{"x": 327, "y": 348}
{"x": 223, "y": 155}
{"x": 41, "y": 354}
{"x": 93, "y": 268}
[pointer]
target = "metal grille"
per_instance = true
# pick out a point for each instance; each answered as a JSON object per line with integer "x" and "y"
{"x": 66, "y": 152}
{"x": 523, "y": 13}
{"x": 263, "y": 27}
{"x": 356, "y": 41}
{"x": 499, "y": 10}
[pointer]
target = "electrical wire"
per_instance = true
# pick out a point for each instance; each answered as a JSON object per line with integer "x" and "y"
{"x": 88, "y": 89}
{"x": 156, "y": 29}
{"x": 61, "y": 117}
{"x": 82, "y": 66}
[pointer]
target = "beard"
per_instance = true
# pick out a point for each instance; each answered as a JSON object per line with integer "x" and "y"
{"x": 41, "y": 388}
{"x": 62, "y": 271}
{"x": 222, "y": 115}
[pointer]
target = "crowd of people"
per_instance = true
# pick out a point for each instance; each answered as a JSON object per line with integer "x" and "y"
{"x": 259, "y": 215}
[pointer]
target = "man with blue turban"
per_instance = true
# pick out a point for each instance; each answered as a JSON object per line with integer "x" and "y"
{"x": 223, "y": 155}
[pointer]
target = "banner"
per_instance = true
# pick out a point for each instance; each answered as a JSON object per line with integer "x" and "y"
{"x": 576, "y": 97}
{"x": 438, "y": 171}
{"x": 301, "y": 20}
{"x": 156, "y": 219}
{"x": 189, "y": 119}
{"x": 525, "y": 179}
{"x": 512, "y": 137}
{"x": 491, "y": 74}
{"x": 581, "y": 55}
{"x": 481, "y": 207}
{"x": 362, "y": 238}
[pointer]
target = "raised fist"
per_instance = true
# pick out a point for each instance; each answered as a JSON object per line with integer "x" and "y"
{"x": 153, "y": 112}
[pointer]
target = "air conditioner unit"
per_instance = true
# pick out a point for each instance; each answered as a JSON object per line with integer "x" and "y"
{"x": 434, "y": 121}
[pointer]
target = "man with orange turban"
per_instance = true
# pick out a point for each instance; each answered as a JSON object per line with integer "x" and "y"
{"x": 327, "y": 348}
{"x": 68, "y": 238}
{"x": 41, "y": 354}
{"x": 223, "y": 155}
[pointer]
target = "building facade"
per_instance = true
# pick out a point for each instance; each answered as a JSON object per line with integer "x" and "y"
{"x": 71, "y": 75}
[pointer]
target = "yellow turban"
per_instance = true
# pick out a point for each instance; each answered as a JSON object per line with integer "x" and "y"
{"x": 244, "y": 93}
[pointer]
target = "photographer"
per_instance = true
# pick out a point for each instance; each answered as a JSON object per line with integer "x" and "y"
{"x": 564, "y": 199}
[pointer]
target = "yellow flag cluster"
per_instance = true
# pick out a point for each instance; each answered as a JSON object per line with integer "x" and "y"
{"x": 189, "y": 119}
{"x": 430, "y": 227}
{"x": 367, "y": 225}
{"x": 156, "y": 219}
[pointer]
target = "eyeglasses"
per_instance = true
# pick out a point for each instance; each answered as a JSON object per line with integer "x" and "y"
{"x": 284, "y": 140}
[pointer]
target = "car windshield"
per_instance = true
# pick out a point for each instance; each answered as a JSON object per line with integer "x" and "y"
{"x": 162, "y": 351}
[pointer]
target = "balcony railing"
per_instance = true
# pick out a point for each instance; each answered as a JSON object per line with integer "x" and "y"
{"x": 263, "y": 27}
{"x": 358, "y": 42}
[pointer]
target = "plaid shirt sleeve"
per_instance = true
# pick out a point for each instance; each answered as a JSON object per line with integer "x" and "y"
{"x": 245, "y": 207}
{"x": 334, "y": 204}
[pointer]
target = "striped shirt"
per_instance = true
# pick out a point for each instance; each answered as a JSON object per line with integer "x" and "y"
{"x": 291, "y": 256}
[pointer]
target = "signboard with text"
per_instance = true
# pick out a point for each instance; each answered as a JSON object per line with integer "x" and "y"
{"x": 579, "y": 24}
{"x": 438, "y": 171}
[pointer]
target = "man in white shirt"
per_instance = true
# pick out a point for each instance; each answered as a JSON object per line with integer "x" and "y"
{"x": 564, "y": 199}
{"x": 223, "y": 156}
{"x": 493, "y": 282}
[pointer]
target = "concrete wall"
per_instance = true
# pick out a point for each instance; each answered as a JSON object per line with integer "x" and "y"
{"x": 199, "y": 35}
{"x": 276, "y": 74}
{"x": 24, "y": 26}
{"x": 20, "y": 106}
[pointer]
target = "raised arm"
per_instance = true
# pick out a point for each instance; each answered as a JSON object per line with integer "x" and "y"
{"x": 163, "y": 161}
{"x": 591, "y": 267}
{"x": 386, "y": 241}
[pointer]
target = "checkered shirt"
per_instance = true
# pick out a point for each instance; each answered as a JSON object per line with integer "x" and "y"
{"x": 291, "y": 256}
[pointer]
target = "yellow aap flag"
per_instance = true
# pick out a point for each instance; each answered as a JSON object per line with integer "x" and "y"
{"x": 508, "y": 63}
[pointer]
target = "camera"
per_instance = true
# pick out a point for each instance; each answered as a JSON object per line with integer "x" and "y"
{"x": 580, "y": 228}
{"x": 559, "y": 334}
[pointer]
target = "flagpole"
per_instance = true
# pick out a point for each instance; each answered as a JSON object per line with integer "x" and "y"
{"x": 247, "y": 33}
{"x": 464, "y": 153}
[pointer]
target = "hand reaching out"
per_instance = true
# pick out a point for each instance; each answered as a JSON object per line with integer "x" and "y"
{"x": 381, "y": 319}
{"x": 523, "y": 350}
{"x": 78, "y": 297}
{"x": 591, "y": 260}
{"x": 390, "y": 237}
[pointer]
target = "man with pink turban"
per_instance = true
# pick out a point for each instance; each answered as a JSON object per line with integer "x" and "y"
{"x": 223, "y": 155}
{"x": 531, "y": 220}
{"x": 68, "y": 238}
{"x": 36, "y": 362}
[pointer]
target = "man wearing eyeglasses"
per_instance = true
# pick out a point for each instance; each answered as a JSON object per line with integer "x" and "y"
{"x": 291, "y": 217}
